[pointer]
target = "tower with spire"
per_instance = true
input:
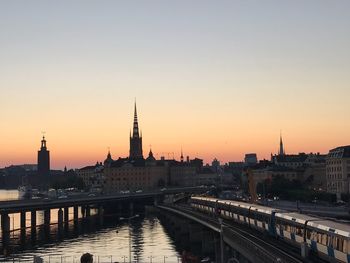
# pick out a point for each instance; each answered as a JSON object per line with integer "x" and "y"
{"x": 135, "y": 139}
{"x": 281, "y": 150}
{"x": 43, "y": 159}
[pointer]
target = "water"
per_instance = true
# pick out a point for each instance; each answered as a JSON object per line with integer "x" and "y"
{"x": 7, "y": 195}
{"x": 149, "y": 241}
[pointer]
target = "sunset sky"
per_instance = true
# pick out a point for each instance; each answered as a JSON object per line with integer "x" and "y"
{"x": 217, "y": 78}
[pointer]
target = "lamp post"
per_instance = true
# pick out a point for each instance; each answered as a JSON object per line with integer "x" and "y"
{"x": 129, "y": 221}
{"x": 221, "y": 241}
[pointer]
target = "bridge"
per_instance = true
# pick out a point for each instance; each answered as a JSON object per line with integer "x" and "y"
{"x": 247, "y": 245}
{"x": 80, "y": 201}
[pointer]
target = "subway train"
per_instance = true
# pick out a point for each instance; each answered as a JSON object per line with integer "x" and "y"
{"x": 328, "y": 239}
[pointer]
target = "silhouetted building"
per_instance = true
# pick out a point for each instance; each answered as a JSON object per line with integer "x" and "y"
{"x": 43, "y": 159}
{"x": 281, "y": 151}
{"x": 135, "y": 140}
{"x": 250, "y": 159}
{"x": 338, "y": 171}
{"x": 215, "y": 165}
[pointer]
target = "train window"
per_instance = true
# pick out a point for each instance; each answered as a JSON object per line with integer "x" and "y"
{"x": 340, "y": 244}
{"x": 324, "y": 239}
{"x": 299, "y": 231}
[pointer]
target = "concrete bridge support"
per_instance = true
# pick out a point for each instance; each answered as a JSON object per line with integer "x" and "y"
{"x": 47, "y": 221}
{"x": 33, "y": 224}
{"x": 76, "y": 213}
{"x": 66, "y": 218}
{"x": 5, "y": 229}
{"x": 87, "y": 211}
{"x": 100, "y": 215}
{"x": 60, "y": 221}
{"x": 23, "y": 226}
{"x": 76, "y": 218}
{"x": 131, "y": 209}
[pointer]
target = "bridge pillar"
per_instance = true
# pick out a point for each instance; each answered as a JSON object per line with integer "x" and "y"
{"x": 131, "y": 208}
{"x": 23, "y": 225}
{"x": 76, "y": 218}
{"x": 83, "y": 211}
{"x": 100, "y": 215}
{"x": 33, "y": 223}
{"x": 60, "y": 220}
{"x": 5, "y": 228}
{"x": 87, "y": 211}
{"x": 66, "y": 218}
{"x": 66, "y": 214}
{"x": 76, "y": 213}
{"x": 47, "y": 217}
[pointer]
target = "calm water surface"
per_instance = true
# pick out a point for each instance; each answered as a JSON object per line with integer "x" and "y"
{"x": 149, "y": 242}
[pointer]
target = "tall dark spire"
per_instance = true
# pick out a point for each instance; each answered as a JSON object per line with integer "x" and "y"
{"x": 135, "y": 133}
{"x": 281, "y": 150}
{"x": 136, "y": 139}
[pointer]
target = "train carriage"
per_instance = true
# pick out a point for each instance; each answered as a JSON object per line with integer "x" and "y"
{"x": 329, "y": 239}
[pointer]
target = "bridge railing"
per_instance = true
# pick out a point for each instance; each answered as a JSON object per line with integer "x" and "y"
{"x": 96, "y": 259}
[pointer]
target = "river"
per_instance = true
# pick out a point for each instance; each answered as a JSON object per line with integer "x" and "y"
{"x": 149, "y": 241}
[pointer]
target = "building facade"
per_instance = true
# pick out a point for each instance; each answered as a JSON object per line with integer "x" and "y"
{"x": 136, "y": 173}
{"x": 338, "y": 171}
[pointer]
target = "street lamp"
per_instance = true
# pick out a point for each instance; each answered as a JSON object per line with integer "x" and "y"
{"x": 129, "y": 220}
{"x": 221, "y": 241}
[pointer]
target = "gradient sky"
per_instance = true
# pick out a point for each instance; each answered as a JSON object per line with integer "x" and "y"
{"x": 218, "y": 78}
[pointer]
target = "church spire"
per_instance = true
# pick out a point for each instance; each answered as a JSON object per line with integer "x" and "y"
{"x": 281, "y": 151}
{"x": 136, "y": 139}
{"x": 135, "y": 133}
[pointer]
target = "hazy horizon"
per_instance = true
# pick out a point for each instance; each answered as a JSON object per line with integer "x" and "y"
{"x": 216, "y": 79}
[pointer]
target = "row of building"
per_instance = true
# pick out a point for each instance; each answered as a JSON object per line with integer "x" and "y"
{"x": 138, "y": 173}
{"x": 322, "y": 172}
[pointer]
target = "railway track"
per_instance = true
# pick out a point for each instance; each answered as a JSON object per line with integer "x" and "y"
{"x": 275, "y": 252}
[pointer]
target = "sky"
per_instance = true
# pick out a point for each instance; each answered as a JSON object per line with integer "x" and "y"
{"x": 216, "y": 78}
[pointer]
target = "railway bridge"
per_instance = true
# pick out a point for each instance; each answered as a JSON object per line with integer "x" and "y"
{"x": 82, "y": 206}
{"x": 236, "y": 243}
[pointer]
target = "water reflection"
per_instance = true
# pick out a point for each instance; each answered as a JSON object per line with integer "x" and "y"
{"x": 150, "y": 242}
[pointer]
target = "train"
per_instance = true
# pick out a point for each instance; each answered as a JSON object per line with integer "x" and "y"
{"x": 328, "y": 239}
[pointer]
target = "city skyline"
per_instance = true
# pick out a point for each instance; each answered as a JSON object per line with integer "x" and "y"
{"x": 217, "y": 80}
{"x": 169, "y": 155}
